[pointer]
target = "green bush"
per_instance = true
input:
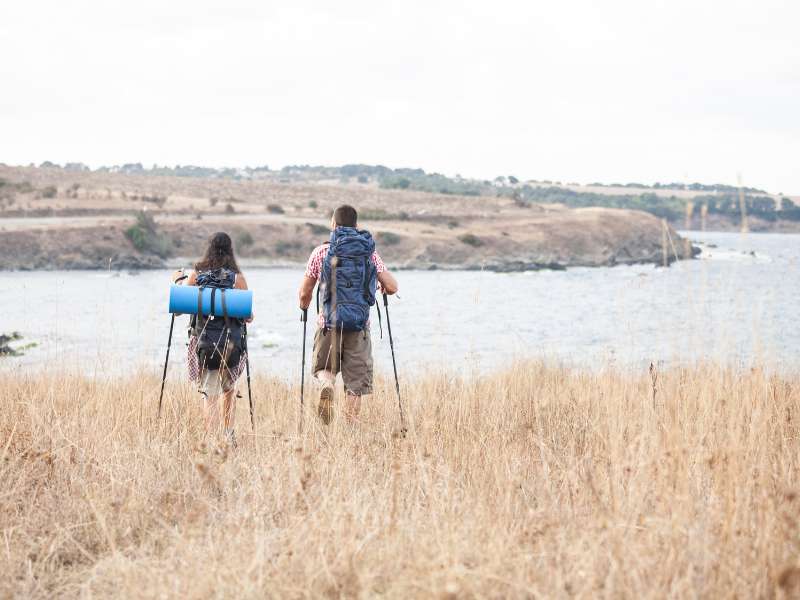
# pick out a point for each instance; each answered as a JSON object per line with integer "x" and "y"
{"x": 396, "y": 183}
{"x": 157, "y": 200}
{"x": 313, "y": 204}
{"x": 50, "y": 191}
{"x": 387, "y": 238}
{"x": 470, "y": 240}
{"x": 244, "y": 239}
{"x": 146, "y": 237}
{"x": 318, "y": 229}
{"x": 284, "y": 248}
{"x": 379, "y": 214}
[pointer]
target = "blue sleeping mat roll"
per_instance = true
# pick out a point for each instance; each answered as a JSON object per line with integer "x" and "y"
{"x": 183, "y": 300}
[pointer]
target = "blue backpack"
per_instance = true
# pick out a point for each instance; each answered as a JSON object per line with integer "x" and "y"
{"x": 356, "y": 279}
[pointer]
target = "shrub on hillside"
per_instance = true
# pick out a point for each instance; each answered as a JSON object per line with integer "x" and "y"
{"x": 146, "y": 238}
{"x": 243, "y": 239}
{"x": 318, "y": 229}
{"x": 157, "y": 200}
{"x": 285, "y": 248}
{"x": 470, "y": 240}
{"x": 379, "y": 214}
{"x": 50, "y": 191}
{"x": 387, "y": 238}
{"x": 275, "y": 209}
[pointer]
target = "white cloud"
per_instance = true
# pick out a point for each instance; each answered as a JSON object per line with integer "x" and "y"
{"x": 577, "y": 90}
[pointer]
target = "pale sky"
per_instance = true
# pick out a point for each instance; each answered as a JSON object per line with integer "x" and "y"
{"x": 570, "y": 90}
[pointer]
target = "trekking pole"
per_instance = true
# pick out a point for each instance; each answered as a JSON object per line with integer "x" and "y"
{"x": 403, "y": 429}
{"x": 166, "y": 362}
{"x": 304, "y": 319}
{"x": 247, "y": 369}
{"x": 169, "y": 345}
{"x": 334, "y": 319}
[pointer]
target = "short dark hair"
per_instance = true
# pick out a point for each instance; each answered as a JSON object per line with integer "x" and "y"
{"x": 345, "y": 216}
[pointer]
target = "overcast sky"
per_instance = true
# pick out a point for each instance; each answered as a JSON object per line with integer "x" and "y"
{"x": 613, "y": 90}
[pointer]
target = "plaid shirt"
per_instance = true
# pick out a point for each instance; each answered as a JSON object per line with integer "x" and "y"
{"x": 314, "y": 269}
{"x": 194, "y": 364}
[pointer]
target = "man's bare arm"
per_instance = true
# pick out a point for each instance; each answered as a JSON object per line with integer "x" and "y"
{"x": 388, "y": 282}
{"x": 306, "y": 291}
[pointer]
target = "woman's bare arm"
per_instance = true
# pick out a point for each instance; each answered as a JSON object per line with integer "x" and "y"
{"x": 177, "y": 275}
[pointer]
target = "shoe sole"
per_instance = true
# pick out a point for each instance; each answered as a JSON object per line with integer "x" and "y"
{"x": 325, "y": 408}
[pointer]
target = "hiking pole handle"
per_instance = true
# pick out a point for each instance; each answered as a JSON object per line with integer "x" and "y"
{"x": 303, "y": 315}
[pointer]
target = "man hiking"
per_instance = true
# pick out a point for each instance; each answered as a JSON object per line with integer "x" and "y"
{"x": 349, "y": 271}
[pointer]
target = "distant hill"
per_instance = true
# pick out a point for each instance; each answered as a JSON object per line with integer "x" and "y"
{"x": 683, "y": 204}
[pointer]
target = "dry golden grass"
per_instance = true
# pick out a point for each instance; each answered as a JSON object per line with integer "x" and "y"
{"x": 537, "y": 482}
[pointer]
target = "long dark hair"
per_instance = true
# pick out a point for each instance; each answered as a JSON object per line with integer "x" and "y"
{"x": 219, "y": 254}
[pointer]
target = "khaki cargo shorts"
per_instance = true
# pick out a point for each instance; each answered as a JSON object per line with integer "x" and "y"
{"x": 355, "y": 358}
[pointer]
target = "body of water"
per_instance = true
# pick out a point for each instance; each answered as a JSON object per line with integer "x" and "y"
{"x": 738, "y": 303}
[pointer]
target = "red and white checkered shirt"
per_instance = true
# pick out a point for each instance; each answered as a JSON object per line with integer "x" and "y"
{"x": 193, "y": 362}
{"x": 314, "y": 269}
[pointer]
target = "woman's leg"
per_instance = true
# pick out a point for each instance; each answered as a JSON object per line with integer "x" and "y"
{"x": 211, "y": 389}
{"x": 229, "y": 408}
{"x": 211, "y": 412}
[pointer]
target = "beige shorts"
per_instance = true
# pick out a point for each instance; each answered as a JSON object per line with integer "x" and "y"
{"x": 212, "y": 384}
{"x": 355, "y": 358}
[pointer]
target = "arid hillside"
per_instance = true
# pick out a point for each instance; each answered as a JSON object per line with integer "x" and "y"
{"x": 52, "y": 218}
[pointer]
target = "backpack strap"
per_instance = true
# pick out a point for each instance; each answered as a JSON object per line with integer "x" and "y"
{"x": 199, "y": 321}
{"x": 213, "y": 300}
{"x": 225, "y": 311}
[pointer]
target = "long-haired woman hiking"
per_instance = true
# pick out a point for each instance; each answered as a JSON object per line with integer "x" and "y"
{"x": 215, "y": 346}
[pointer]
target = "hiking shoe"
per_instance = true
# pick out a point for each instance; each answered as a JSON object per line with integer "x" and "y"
{"x": 325, "y": 408}
{"x": 230, "y": 438}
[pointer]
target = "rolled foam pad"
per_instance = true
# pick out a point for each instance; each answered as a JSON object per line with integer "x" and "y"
{"x": 183, "y": 300}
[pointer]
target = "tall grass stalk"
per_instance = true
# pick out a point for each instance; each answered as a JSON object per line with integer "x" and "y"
{"x": 534, "y": 482}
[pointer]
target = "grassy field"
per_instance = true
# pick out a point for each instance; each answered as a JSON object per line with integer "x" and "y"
{"x": 535, "y": 482}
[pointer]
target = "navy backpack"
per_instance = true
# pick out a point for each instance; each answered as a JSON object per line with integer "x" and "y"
{"x": 219, "y": 337}
{"x": 356, "y": 279}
